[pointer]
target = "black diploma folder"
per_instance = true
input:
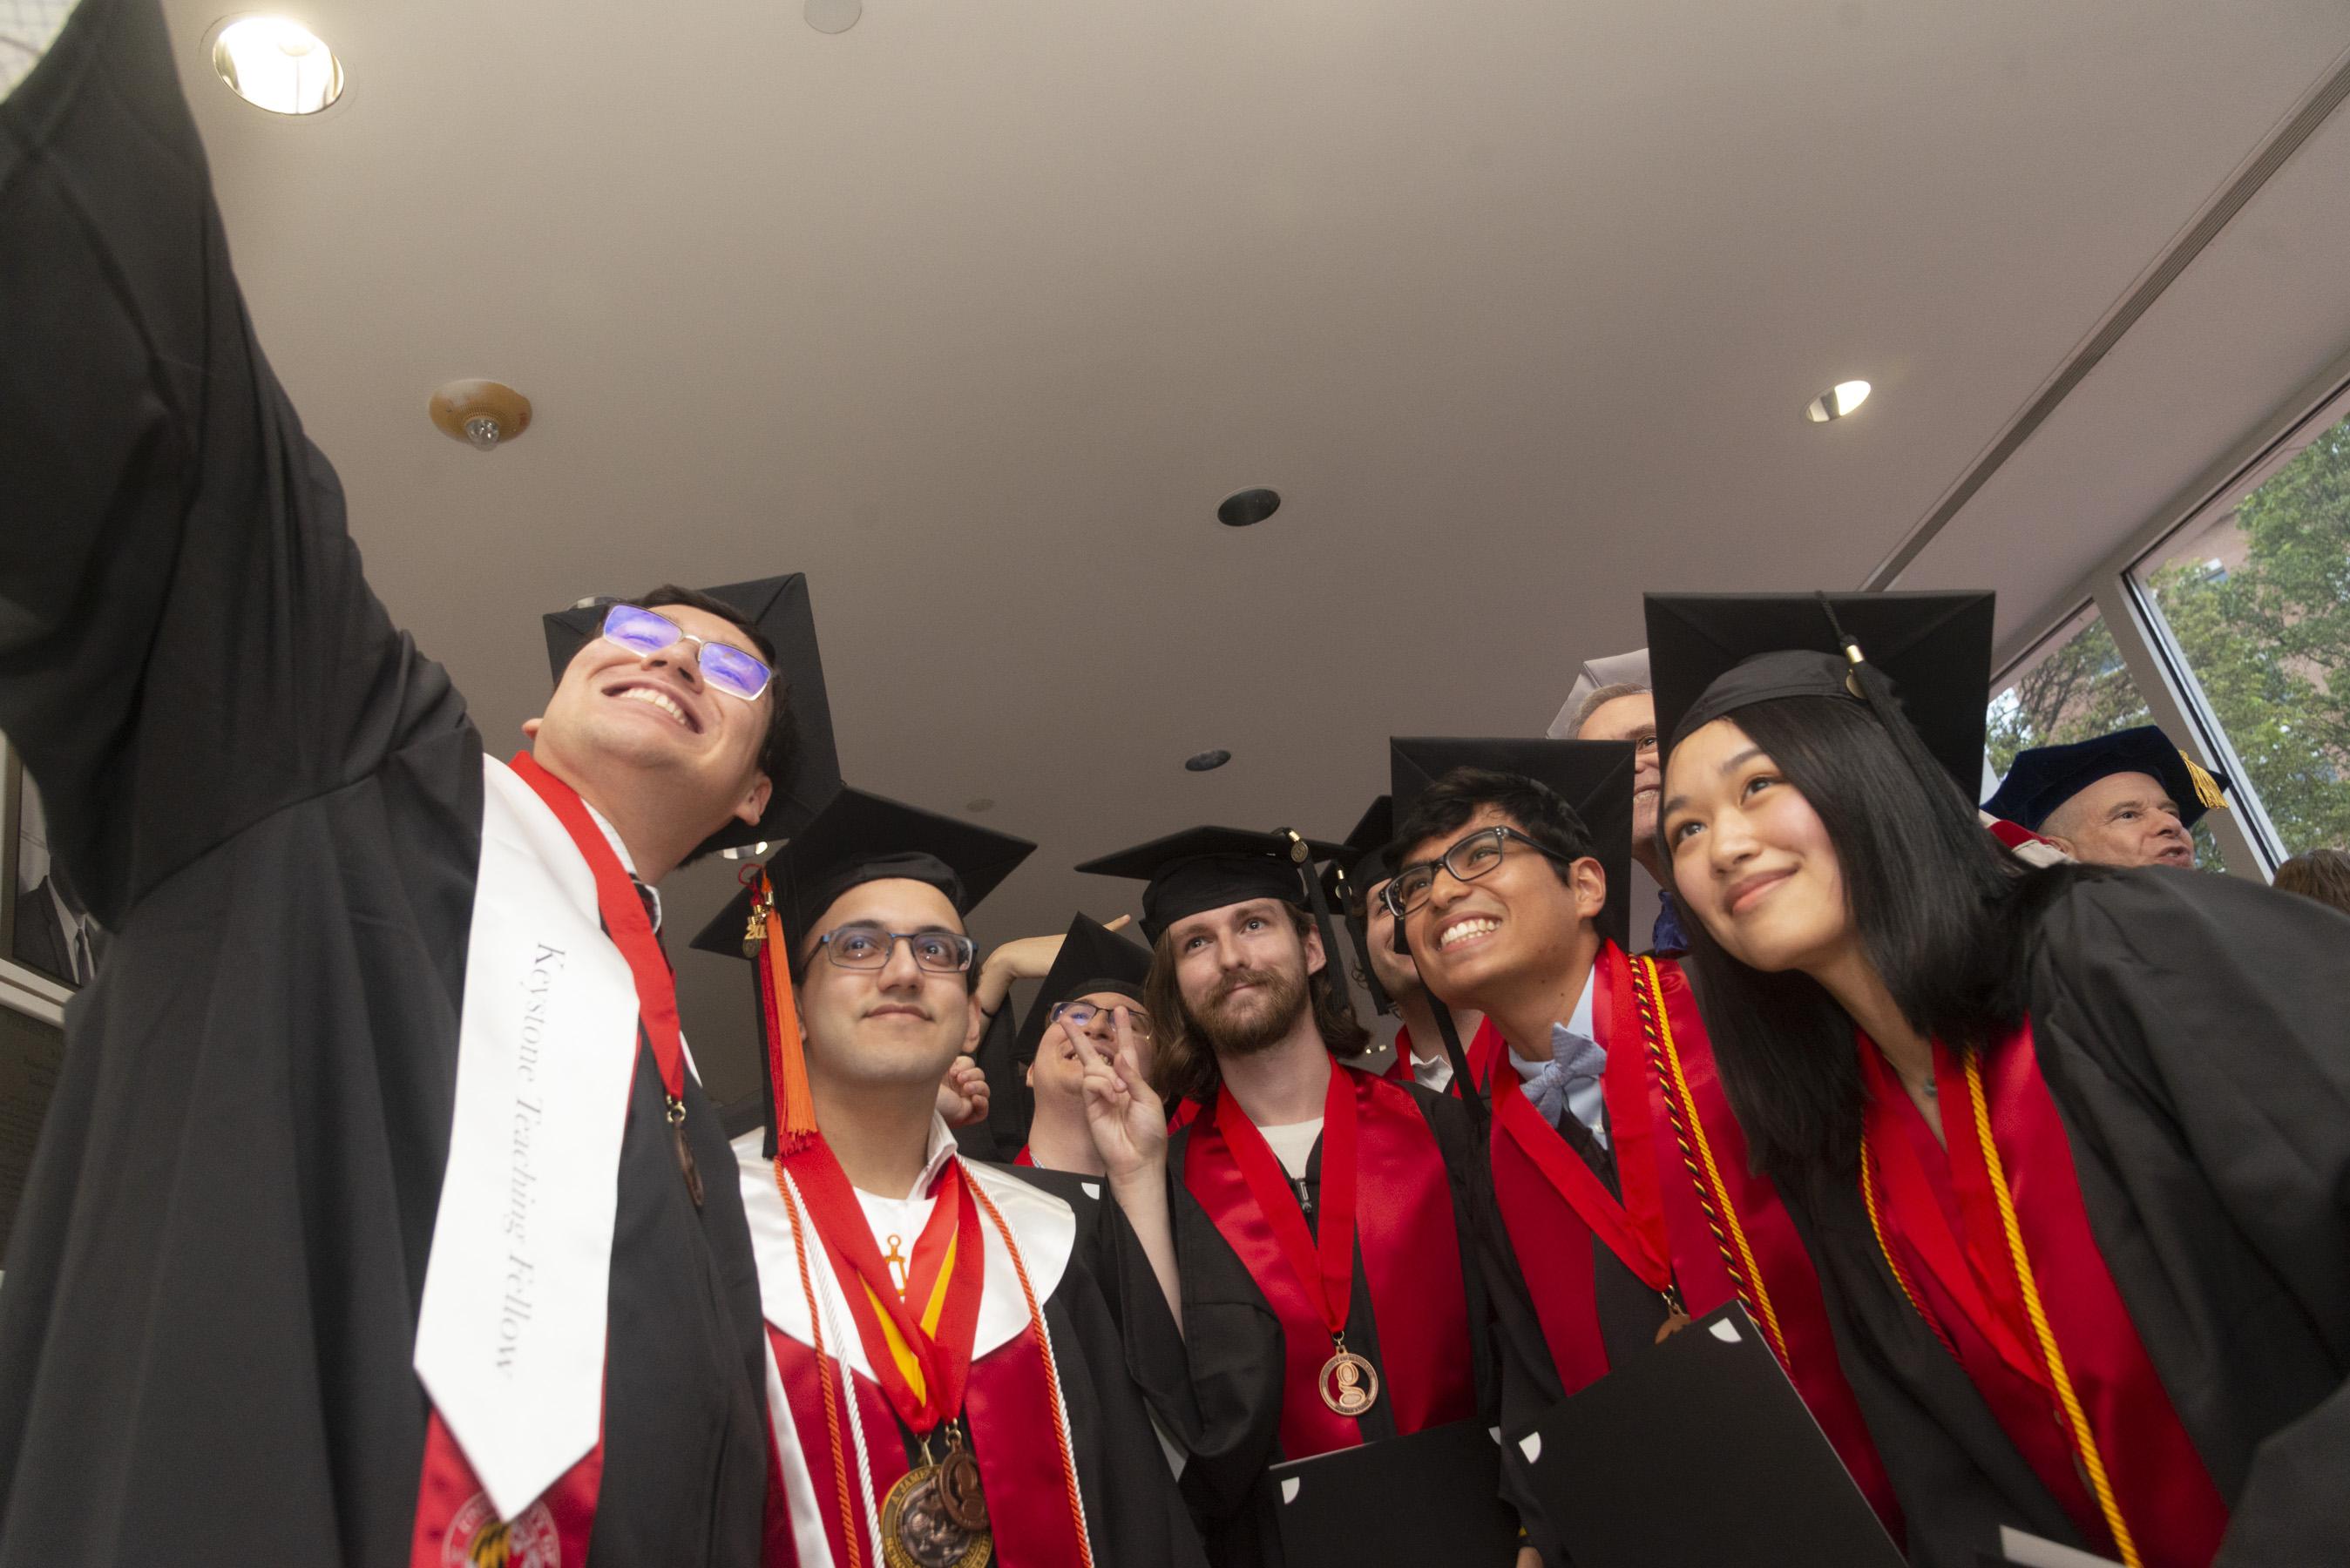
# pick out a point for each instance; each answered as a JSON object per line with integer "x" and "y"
{"x": 1432, "y": 1497}
{"x": 1699, "y": 1454}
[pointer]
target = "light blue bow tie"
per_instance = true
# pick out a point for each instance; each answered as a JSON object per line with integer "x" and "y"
{"x": 1571, "y": 1080}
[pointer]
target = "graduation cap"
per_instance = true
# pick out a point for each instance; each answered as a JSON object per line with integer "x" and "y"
{"x": 857, "y": 838}
{"x": 2042, "y": 778}
{"x": 779, "y": 607}
{"x": 1712, "y": 654}
{"x": 1092, "y": 959}
{"x": 1360, "y": 867}
{"x": 1204, "y": 868}
{"x": 1593, "y": 777}
{"x": 1616, "y": 669}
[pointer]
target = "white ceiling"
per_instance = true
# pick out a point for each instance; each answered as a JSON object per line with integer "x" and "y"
{"x": 975, "y": 311}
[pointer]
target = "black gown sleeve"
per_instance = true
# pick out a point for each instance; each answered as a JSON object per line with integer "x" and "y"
{"x": 186, "y": 640}
{"x": 2198, "y": 1029}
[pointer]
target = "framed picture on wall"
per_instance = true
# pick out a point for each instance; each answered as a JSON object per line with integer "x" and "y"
{"x": 48, "y": 944}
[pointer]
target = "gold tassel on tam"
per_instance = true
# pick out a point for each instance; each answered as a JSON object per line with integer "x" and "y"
{"x": 2207, "y": 788}
{"x": 765, "y": 945}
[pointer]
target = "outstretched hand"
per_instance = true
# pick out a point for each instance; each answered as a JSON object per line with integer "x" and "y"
{"x": 963, "y": 1093}
{"x": 1126, "y": 1116}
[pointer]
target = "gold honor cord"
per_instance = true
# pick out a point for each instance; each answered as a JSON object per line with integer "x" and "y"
{"x": 1713, "y": 1193}
{"x": 2083, "y": 1438}
{"x": 2084, "y": 1441}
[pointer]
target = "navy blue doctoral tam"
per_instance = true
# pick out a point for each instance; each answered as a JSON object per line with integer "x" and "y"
{"x": 2045, "y": 777}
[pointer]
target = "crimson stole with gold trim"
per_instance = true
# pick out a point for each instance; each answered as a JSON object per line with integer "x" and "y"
{"x": 1395, "y": 1196}
{"x": 1945, "y": 1236}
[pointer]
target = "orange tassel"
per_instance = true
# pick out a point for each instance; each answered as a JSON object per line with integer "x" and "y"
{"x": 794, "y": 1107}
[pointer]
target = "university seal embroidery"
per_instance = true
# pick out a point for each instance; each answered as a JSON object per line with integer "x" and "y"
{"x": 478, "y": 1538}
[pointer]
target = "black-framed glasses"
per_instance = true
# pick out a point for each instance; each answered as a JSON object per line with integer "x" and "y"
{"x": 728, "y": 669}
{"x": 1081, "y": 1015}
{"x": 1470, "y": 857}
{"x": 864, "y": 946}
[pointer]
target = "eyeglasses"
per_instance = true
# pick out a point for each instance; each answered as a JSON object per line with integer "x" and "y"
{"x": 868, "y": 947}
{"x": 1468, "y": 859}
{"x": 726, "y": 668}
{"x": 1081, "y": 1015}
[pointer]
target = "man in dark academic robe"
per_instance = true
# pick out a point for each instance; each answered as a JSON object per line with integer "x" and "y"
{"x": 1622, "y": 1199}
{"x": 943, "y": 1372}
{"x": 1274, "y": 1363}
{"x": 370, "y": 1214}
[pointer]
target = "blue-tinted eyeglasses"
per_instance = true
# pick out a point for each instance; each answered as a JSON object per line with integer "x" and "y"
{"x": 726, "y": 668}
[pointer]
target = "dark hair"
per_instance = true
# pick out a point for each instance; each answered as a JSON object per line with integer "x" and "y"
{"x": 1445, "y": 806}
{"x": 782, "y": 743}
{"x": 1182, "y": 1069}
{"x": 1600, "y": 698}
{"x": 1933, "y": 897}
{"x": 2320, "y": 874}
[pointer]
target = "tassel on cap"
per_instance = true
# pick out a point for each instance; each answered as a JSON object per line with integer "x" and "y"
{"x": 2207, "y": 788}
{"x": 793, "y": 1111}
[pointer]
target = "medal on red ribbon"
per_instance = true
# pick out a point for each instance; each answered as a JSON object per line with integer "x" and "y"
{"x": 1324, "y": 1267}
{"x": 918, "y": 1338}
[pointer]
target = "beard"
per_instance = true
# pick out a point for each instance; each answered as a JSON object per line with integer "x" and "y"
{"x": 1246, "y": 1025}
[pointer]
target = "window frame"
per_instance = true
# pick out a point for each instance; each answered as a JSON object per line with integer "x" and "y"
{"x": 2174, "y": 699}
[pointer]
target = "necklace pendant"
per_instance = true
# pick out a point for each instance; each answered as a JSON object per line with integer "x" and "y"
{"x": 918, "y": 1525}
{"x": 1349, "y": 1385}
{"x": 1674, "y": 1323}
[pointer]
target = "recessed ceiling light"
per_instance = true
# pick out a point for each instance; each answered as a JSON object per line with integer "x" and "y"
{"x": 1206, "y": 761}
{"x": 482, "y": 414}
{"x": 1248, "y": 507}
{"x": 833, "y": 15}
{"x": 277, "y": 65}
{"x": 1836, "y": 401}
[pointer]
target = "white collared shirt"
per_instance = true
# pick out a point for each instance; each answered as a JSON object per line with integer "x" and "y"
{"x": 900, "y": 1220}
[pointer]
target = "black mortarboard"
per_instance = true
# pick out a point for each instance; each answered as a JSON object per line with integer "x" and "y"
{"x": 858, "y": 838}
{"x": 779, "y": 607}
{"x": 2045, "y": 777}
{"x": 1593, "y": 777}
{"x": 1712, "y": 654}
{"x": 1359, "y": 867}
{"x": 1204, "y": 868}
{"x": 1092, "y": 959}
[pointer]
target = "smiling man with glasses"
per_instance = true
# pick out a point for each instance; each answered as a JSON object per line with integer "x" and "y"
{"x": 1619, "y": 1176}
{"x": 945, "y": 1377}
{"x": 378, "y": 1207}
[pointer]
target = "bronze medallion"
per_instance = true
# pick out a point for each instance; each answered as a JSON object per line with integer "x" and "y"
{"x": 1674, "y": 1323}
{"x": 919, "y": 1529}
{"x": 959, "y": 1490}
{"x": 1349, "y": 1385}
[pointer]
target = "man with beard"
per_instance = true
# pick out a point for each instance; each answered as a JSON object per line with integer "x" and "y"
{"x": 1612, "y": 700}
{"x": 1321, "y": 1216}
{"x": 2129, "y": 798}
{"x": 1620, "y": 1182}
{"x": 1423, "y": 1053}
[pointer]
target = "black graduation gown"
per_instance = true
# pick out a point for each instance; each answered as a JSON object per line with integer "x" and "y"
{"x": 274, "y": 803}
{"x": 2194, "y": 1032}
{"x": 1220, "y": 1387}
{"x": 1629, "y": 1314}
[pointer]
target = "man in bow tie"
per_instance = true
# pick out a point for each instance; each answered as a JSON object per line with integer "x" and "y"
{"x": 1611, "y": 1142}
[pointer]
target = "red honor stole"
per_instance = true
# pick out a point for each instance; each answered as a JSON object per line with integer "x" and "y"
{"x": 1720, "y": 1228}
{"x": 1484, "y": 1049}
{"x": 918, "y": 1343}
{"x": 1384, "y": 1186}
{"x": 455, "y": 1521}
{"x": 1992, "y": 1244}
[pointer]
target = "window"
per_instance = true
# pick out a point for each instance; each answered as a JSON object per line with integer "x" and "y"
{"x": 2256, "y": 602}
{"x": 2072, "y": 687}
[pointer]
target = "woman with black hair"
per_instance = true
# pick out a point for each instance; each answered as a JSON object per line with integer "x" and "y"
{"x": 2070, "y": 1145}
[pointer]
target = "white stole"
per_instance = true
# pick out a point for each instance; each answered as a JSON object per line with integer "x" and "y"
{"x": 510, "y": 1343}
